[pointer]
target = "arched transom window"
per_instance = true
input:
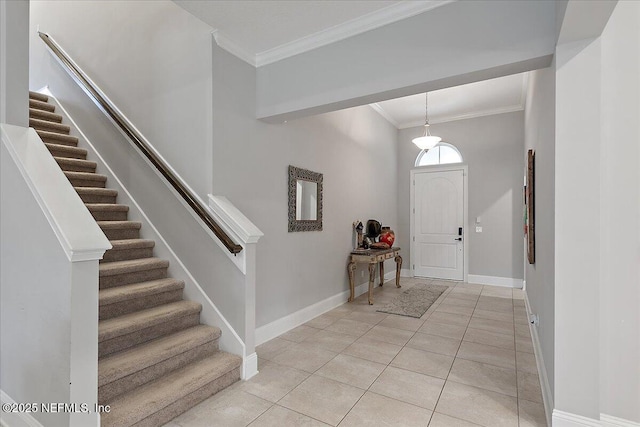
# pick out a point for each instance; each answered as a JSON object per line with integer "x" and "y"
{"x": 442, "y": 154}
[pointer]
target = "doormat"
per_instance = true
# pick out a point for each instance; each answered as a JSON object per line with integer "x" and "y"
{"x": 414, "y": 302}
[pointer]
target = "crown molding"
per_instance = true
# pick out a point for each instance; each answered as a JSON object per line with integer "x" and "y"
{"x": 370, "y": 21}
{"x": 233, "y": 48}
{"x": 482, "y": 113}
{"x": 378, "y": 109}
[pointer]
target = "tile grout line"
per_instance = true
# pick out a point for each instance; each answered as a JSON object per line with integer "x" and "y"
{"x": 455, "y": 356}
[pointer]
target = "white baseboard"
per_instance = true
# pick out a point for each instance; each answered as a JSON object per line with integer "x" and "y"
{"x": 405, "y": 272}
{"x": 15, "y": 419}
{"x": 249, "y": 366}
{"x": 284, "y": 324}
{"x": 547, "y": 396}
{"x": 507, "y": 282}
{"x": 611, "y": 421}
{"x": 567, "y": 419}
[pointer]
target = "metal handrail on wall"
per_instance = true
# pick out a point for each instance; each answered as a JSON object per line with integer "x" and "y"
{"x": 139, "y": 141}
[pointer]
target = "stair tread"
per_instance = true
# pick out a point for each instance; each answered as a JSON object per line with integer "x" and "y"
{"x": 152, "y": 397}
{"x": 38, "y": 96}
{"x": 77, "y": 162}
{"x": 131, "y": 265}
{"x": 131, "y": 243}
{"x": 35, "y": 113}
{"x": 117, "y": 225}
{"x": 56, "y": 136}
{"x": 129, "y": 361}
{"x": 48, "y": 124}
{"x": 87, "y": 176}
{"x": 67, "y": 148}
{"x": 122, "y": 325}
{"x": 40, "y": 105}
{"x": 138, "y": 290}
{"x": 96, "y": 190}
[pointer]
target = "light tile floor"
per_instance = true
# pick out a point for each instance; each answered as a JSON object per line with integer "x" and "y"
{"x": 468, "y": 361}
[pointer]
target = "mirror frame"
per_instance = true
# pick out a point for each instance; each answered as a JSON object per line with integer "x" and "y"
{"x": 301, "y": 224}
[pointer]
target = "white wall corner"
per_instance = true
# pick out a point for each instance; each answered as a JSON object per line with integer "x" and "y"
{"x": 15, "y": 418}
{"x": 405, "y": 272}
{"x": 233, "y": 48}
{"x": 567, "y": 419}
{"x": 378, "y": 109}
{"x": 249, "y": 366}
{"x": 611, "y": 421}
{"x": 508, "y": 282}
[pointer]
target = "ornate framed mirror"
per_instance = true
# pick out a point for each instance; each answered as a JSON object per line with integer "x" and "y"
{"x": 305, "y": 200}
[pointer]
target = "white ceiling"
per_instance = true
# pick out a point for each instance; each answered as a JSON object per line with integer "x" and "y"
{"x": 265, "y": 31}
{"x": 482, "y": 98}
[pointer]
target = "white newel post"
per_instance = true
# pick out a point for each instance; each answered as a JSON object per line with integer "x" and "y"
{"x": 245, "y": 232}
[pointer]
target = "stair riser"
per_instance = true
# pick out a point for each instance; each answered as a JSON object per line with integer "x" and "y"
{"x": 69, "y": 154}
{"x": 135, "y": 304}
{"x": 109, "y": 391}
{"x": 126, "y": 254}
{"x": 189, "y": 401}
{"x": 38, "y": 96}
{"x": 122, "y": 233}
{"x": 88, "y": 183}
{"x": 110, "y": 216}
{"x": 69, "y": 142}
{"x": 147, "y": 334}
{"x": 50, "y": 127}
{"x": 76, "y": 168}
{"x": 45, "y": 115}
{"x": 94, "y": 198}
{"x": 135, "y": 277}
{"x": 39, "y": 105}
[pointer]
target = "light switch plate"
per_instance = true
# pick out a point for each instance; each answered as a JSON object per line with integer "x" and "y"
{"x": 478, "y": 229}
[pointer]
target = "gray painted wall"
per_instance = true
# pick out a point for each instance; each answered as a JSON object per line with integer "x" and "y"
{"x": 492, "y": 147}
{"x": 355, "y": 149}
{"x": 14, "y": 62}
{"x": 35, "y": 308}
{"x": 620, "y": 207}
{"x": 540, "y": 136}
{"x": 156, "y": 68}
{"x": 577, "y": 220}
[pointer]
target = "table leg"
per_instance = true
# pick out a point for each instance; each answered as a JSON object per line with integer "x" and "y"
{"x": 381, "y": 273}
{"x": 372, "y": 278}
{"x": 398, "y": 267}
{"x": 351, "y": 268}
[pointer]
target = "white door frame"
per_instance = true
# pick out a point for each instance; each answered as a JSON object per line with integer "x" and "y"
{"x": 412, "y": 211}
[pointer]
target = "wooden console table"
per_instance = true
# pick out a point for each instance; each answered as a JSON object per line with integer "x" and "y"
{"x": 373, "y": 257}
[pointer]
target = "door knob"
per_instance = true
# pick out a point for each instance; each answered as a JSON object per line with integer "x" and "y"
{"x": 459, "y": 239}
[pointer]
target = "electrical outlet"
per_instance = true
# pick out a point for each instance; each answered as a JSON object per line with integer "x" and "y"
{"x": 362, "y": 274}
{"x": 478, "y": 229}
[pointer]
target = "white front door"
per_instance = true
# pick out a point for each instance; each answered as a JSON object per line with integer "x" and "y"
{"x": 438, "y": 224}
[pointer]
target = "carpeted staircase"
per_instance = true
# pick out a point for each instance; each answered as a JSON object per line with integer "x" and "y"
{"x": 155, "y": 359}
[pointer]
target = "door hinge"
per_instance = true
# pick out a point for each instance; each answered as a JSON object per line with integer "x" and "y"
{"x": 414, "y": 210}
{"x": 414, "y": 238}
{"x": 414, "y": 182}
{"x": 414, "y": 266}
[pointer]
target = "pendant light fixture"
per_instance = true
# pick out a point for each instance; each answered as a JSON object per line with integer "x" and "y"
{"x": 426, "y": 141}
